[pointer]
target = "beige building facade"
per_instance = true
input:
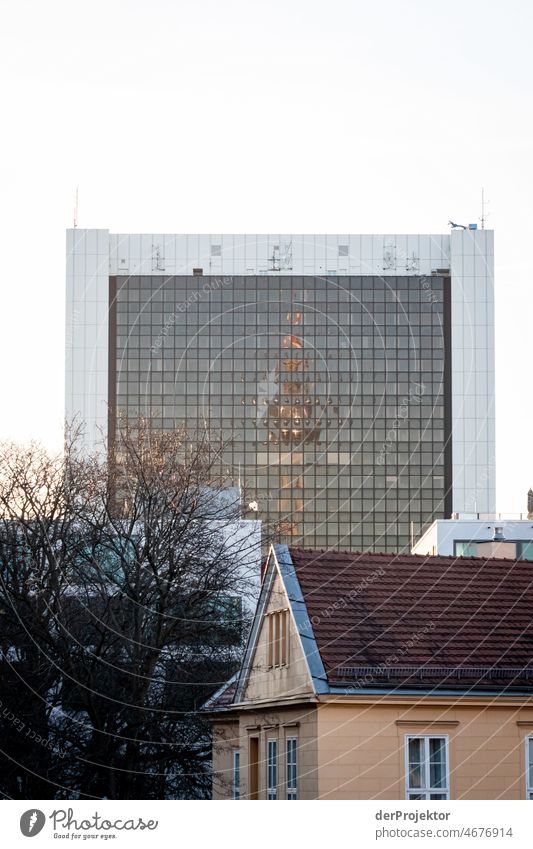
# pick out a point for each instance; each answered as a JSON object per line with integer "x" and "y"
{"x": 284, "y": 729}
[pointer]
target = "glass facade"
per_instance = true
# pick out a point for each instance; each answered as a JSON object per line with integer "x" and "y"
{"x": 334, "y": 392}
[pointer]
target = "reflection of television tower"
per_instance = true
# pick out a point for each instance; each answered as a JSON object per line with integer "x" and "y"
{"x": 291, "y": 415}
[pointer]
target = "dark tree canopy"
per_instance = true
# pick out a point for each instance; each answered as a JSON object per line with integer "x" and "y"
{"x": 121, "y": 590}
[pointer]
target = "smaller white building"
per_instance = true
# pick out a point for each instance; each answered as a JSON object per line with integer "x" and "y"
{"x": 478, "y": 535}
{"x": 240, "y": 536}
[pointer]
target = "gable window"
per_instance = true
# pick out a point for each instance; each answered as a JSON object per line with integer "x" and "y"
{"x": 272, "y": 769}
{"x": 278, "y": 638}
{"x": 292, "y": 768}
{"x": 427, "y": 773}
{"x": 236, "y": 774}
{"x": 529, "y": 767}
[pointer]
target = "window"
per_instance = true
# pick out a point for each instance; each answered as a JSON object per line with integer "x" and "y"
{"x": 162, "y": 321}
{"x": 466, "y": 549}
{"x": 278, "y": 638}
{"x": 272, "y": 769}
{"x": 525, "y": 550}
{"x": 292, "y": 769}
{"x": 236, "y": 774}
{"x": 529, "y": 767}
{"x": 427, "y": 767}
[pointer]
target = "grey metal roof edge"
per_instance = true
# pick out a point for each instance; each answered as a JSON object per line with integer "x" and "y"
{"x": 216, "y": 695}
{"x": 301, "y": 618}
{"x": 262, "y": 601}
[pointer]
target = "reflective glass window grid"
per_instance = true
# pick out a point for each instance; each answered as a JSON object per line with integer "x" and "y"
{"x": 332, "y": 392}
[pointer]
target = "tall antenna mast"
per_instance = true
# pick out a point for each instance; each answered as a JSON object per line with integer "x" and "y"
{"x": 76, "y": 208}
{"x": 484, "y": 215}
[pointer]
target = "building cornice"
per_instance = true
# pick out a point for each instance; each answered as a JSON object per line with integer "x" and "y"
{"x": 418, "y": 699}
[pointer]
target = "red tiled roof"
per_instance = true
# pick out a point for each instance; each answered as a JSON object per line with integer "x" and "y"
{"x": 407, "y": 619}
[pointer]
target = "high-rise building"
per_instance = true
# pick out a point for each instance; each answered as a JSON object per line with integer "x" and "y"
{"x": 353, "y": 375}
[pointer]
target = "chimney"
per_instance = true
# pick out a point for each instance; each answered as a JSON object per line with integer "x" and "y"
{"x": 530, "y": 504}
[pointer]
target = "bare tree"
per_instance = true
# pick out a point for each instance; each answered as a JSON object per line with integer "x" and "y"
{"x": 121, "y": 588}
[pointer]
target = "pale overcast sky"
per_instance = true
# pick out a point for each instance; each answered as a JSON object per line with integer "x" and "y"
{"x": 242, "y": 116}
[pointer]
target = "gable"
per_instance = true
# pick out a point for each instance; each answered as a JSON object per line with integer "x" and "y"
{"x": 401, "y": 620}
{"x": 269, "y": 677}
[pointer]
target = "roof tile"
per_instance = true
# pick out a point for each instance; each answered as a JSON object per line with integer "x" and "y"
{"x": 468, "y": 617}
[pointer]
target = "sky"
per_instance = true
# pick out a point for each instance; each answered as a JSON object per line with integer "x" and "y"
{"x": 242, "y": 116}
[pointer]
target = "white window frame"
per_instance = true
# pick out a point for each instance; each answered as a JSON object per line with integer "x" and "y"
{"x": 272, "y": 768}
{"x": 425, "y": 791}
{"x": 292, "y": 789}
{"x": 236, "y": 760}
{"x": 529, "y": 787}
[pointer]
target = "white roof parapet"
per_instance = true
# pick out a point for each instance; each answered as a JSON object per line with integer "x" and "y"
{"x": 285, "y": 254}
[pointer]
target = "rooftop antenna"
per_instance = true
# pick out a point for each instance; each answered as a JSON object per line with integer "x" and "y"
{"x": 76, "y": 209}
{"x": 484, "y": 214}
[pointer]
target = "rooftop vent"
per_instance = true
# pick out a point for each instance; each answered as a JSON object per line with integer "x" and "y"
{"x": 498, "y": 533}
